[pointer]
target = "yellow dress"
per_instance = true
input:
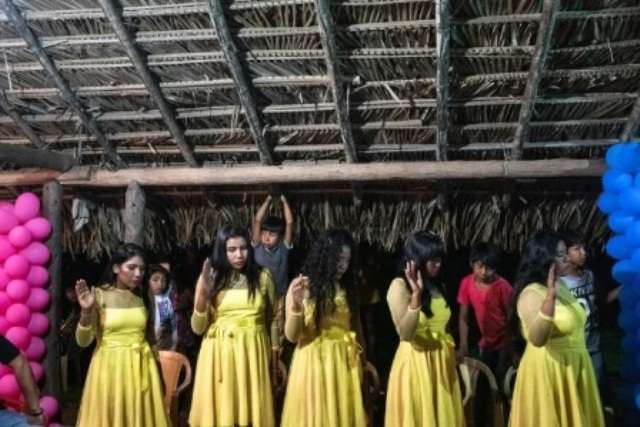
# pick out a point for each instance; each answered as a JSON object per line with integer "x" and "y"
{"x": 123, "y": 387}
{"x": 324, "y": 379}
{"x": 423, "y": 387}
{"x": 232, "y": 386}
{"x": 556, "y": 384}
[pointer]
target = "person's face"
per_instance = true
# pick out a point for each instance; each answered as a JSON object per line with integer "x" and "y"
{"x": 561, "y": 258}
{"x": 432, "y": 266}
{"x": 577, "y": 255}
{"x": 483, "y": 273}
{"x": 269, "y": 238}
{"x": 70, "y": 294}
{"x": 344, "y": 259}
{"x": 158, "y": 283}
{"x": 237, "y": 252}
{"x": 130, "y": 273}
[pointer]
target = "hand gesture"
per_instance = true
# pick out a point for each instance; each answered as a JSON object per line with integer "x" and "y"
{"x": 86, "y": 296}
{"x": 414, "y": 277}
{"x": 298, "y": 287}
{"x": 208, "y": 275}
{"x": 552, "y": 277}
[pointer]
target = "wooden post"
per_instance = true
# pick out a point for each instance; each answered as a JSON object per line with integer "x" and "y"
{"x": 134, "y": 214}
{"x": 52, "y": 210}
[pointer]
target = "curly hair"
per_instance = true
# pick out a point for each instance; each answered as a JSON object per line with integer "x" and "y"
{"x": 321, "y": 266}
{"x": 220, "y": 262}
{"x": 538, "y": 255}
{"x": 421, "y": 247}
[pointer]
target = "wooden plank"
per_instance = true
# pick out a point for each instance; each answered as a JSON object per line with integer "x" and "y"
{"x": 52, "y": 210}
{"x": 443, "y": 41}
{"x": 33, "y": 157}
{"x": 543, "y": 46}
{"x": 133, "y": 215}
{"x": 113, "y": 12}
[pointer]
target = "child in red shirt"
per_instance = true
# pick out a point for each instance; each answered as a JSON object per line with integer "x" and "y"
{"x": 490, "y": 296}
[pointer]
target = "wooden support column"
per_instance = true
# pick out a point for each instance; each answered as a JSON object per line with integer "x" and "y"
{"x": 243, "y": 84}
{"x": 443, "y": 42}
{"x": 133, "y": 217}
{"x": 52, "y": 210}
{"x": 33, "y": 157}
{"x": 543, "y": 47}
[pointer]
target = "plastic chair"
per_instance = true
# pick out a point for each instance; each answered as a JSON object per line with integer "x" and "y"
{"x": 470, "y": 370}
{"x": 172, "y": 365}
{"x": 509, "y": 381}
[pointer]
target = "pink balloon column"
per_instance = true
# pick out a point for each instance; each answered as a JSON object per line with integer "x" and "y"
{"x": 23, "y": 294}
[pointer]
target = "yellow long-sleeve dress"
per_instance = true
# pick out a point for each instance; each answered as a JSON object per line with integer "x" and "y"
{"x": 556, "y": 385}
{"x": 324, "y": 378}
{"x": 232, "y": 386}
{"x": 423, "y": 387}
{"x": 123, "y": 387}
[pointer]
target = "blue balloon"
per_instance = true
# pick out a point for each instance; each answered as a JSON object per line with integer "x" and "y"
{"x": 629, "y": 369}
{"x": 629, "y": 200}
{"x": 624, "y": 271}
{"x": 614, "y": 153}
{"x": 616, "y": 181}
{"x": 620, "y": 221}
{"x": 631, "y": 344}
{"x": 619, "y": 248}
{"x": 628, "y": 298}
{"x": 608, "y": 202}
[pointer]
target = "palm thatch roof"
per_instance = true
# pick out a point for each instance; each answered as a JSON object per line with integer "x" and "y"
{"x": 154, "y": 83}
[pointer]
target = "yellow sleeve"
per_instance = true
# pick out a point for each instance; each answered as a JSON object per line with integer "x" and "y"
{"x": 200, "y": 321}
{"x": 294, "y": 320}
{"x": 537, "y": 324}
{"x": 404, "y": 318}
{"x": 86, "y": 334}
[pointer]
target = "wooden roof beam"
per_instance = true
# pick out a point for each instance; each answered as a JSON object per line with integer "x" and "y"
{"x": 21, "y": 27}
{"x": 443, "y": 42}
{"x": 340, "y": 94}
{"x": 27, "y": 157}
{"x": 632, "y": 127}
{"x": 113, "y": 12}
{"x": 19, "y": 121}
{"x": 244, "y": 85}
{"x": 543, "y": 46}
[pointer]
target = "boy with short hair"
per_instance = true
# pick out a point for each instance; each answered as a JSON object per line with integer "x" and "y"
{"x": 490, "y": 297}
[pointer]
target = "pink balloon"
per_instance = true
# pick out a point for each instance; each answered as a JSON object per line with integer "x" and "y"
{"x": 38, "y": 324}
{"x": 7, "y": 221}
{"x": 38, "y": 277}
{"x": 17, "y": 266}
{"x": 4, "y": 279}
{"x": 20, "y": 236}
{"x": 38, "y": 299}
{"x": 36, "y": 370}
{"x": 55, "y": 425}
{"x": 49, "y": 405}
{"x": 4, "y": 325}
{"x": 36, "y": 349}
{"x": 19, "y": 337}
{"x": 39, "y": 227}
{"x": 5, "y": 302}
{"x": 9, "y": 387}
{"x": 18, "y": 290}
{"x": 18, "y": 314}
{"x": 36, "y": 253}
{"x": 6, "y": 205}
{"x": 6, "y": 248}
{"x": 27, "y": 207}
{"x": 5, "y": 370}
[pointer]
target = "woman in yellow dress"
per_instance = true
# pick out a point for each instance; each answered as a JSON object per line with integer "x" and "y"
{"x": 233, "y": 308}
{"x": 123, "y": 386}
{"x": 423, "y": 388}
{"x": 321, "y": 317}
{"x": 556, "y": 385}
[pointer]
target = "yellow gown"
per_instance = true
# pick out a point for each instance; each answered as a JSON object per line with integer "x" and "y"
{"x": 324, "y": 378}
{"x": 232, "y": 386}
{"x": 423, "y": 387}
{"x": 556, "y": 385}
{"x": 123, "y": 387}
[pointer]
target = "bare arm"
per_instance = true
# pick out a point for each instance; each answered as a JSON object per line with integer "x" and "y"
{"x": 288, "y": 218}
{"x": 294, "y": 318}
{"x": 204, "y": 287}
{"x": 29, "y": 389}
{"x": 613, "y": 294}
{"x": 257, "y": 220}
{"x": 463, "y": 330}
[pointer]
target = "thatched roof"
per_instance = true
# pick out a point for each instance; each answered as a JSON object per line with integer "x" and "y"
{"x": 157, "y": 83}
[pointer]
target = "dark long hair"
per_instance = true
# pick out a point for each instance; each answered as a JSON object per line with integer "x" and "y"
{"x": 421, "y": 247}
{"x": 538, "y": 255}
{"x": 321, "y": 268}
{"x": 220, "y": 262}
{"x": 122, "y": 254}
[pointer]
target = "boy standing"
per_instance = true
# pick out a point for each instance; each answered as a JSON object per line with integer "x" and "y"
{"x": 490, "y": 296}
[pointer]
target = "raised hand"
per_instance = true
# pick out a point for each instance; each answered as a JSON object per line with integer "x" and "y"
{"x": 552, "y": 277}
{"x": 414, "y": 277}
{"x": 208, "y": 275}
{"x": 297, "y": 289}
{"x": 86, "y": 296}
